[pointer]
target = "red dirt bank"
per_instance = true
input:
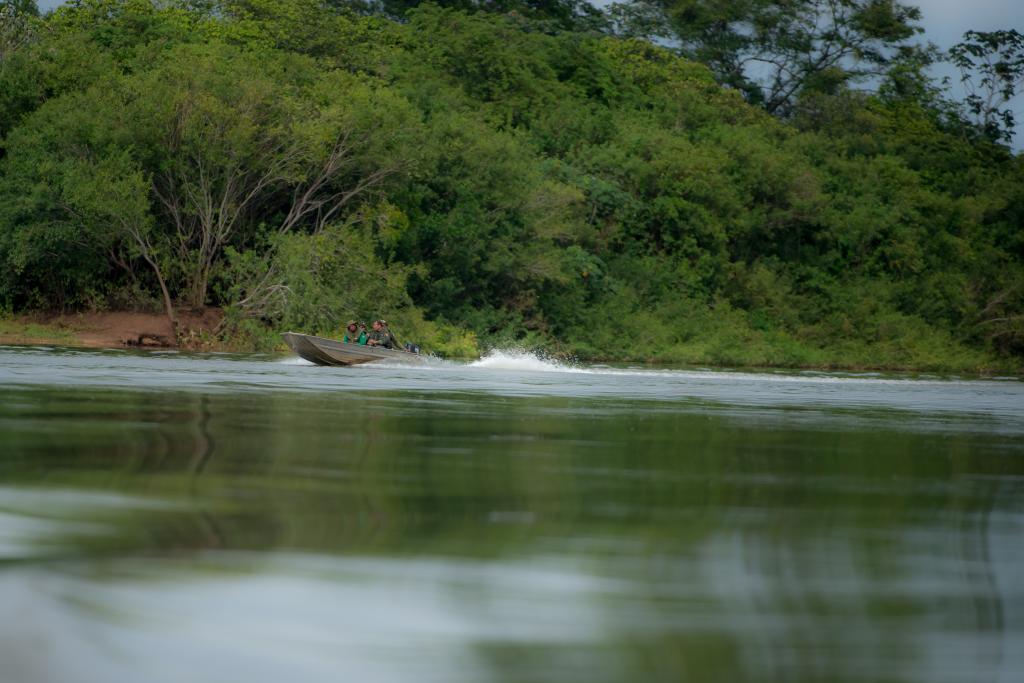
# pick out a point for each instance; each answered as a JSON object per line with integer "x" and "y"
{"x": 115, "y": 329}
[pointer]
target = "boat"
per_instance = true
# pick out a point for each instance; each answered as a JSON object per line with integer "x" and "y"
{"x": 323, "y": 351}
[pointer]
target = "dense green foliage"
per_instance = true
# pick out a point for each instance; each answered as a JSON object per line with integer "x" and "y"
{"x": 488, "y": 175}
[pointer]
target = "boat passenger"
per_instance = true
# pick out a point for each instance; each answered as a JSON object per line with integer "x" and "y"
{"x": 381, "y": 335}
{"x": 353, "y": 333}
{"x": 392, "y": 340}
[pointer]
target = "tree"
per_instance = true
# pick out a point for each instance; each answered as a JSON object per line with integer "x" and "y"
{"x": 773, "y": 51}
{"x": 216, "y": 134}
{"x": 564, "y": 14}
{"x": 111, "y": 193}
{"x": 213, "y": 146}
{"x": 23, "y": 7}
{"x": 235, "y": 140}
{"x": 76, "y": 191}
{"x": 353, "y": 140}
{"x": 314, "y": 276}
{"x": 16, "y": 27}
{"x": 991, "y": 68}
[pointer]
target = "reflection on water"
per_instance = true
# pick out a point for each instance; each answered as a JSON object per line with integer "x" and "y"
{"x": 168, "y": 518}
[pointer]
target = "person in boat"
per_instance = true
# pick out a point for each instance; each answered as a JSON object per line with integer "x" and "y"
{"x": 355, "y": 333}
{"x": 381, "y": 336}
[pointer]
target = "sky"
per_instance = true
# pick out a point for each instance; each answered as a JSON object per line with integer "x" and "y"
{"x": 945, "y": 21}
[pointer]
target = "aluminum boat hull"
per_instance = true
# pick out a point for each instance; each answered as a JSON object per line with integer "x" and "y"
{"x": 323, "y": 351}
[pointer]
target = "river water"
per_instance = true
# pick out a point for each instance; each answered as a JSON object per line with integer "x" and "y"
{"x": 174, "y": 517}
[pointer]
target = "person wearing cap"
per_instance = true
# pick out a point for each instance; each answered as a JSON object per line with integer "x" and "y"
{"x": 355, "y": 333}
{"x": 381, "y": 335}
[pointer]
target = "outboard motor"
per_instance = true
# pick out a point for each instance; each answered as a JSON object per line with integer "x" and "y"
{"x": 412, "y": 348}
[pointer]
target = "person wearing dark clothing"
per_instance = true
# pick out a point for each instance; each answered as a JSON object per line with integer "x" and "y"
{"x": 381, "y": 336}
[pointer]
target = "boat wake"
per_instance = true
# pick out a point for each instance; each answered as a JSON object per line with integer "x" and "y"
{"x": 514, "y": 359}
{"x": 295, "y": 360}
{"x": 519, "y": 360}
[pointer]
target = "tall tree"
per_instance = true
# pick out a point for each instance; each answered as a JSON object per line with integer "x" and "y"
{"x": 212, "y": 147}
{"x": 76, "y": 202}
{"x": 16, "y": 26}
{"x": 27, "y": 7}
{"x": 991, "y": 68}
{"x": 772, "y": 50}
{"x": 236, "y": 140}
{"x": 18, "y": 29}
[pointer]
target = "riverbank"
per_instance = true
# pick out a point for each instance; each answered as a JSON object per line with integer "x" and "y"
{"x": 114, "y": 329}
{"x": 121, "y": 329}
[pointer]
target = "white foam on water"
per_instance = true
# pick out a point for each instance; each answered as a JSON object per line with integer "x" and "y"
{"x": 527, "y": 361}
{"x": 294, "y": 360}
{"x": 514, "y": 359}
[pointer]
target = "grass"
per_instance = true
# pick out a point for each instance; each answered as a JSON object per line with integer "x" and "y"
{"x": 25, "y": 330}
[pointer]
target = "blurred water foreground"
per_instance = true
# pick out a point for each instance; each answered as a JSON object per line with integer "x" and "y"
{"x": 169, "y": 517}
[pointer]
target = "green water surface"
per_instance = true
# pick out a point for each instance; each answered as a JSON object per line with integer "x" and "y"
{"x": 168, "y": 517}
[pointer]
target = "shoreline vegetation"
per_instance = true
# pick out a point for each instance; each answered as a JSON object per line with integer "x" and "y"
{"x": 108, "y": 330}
{"x": 542, "y": 176}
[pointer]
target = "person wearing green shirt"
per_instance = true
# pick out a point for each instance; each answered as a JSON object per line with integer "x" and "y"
{"x": 354, "y": 333}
